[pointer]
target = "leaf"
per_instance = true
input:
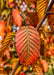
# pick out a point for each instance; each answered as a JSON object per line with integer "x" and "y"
{"x": 29, "y": 1}
{"x": 41, "y": 7}
{"x": 2, "y": 4}
{"x": 5, "y": 13}
{"x": 33, "y": 5}
{"x": 6, "y": 29}
{"x": 10, "y": 27}
{"x": 2, "y": 26}
{"x": 17, "y": 18}
{"x": 27, "y": 44}
{"x": 6, "y": 42}
{"x": 7, "y": 53}
{"x": 10, "y": 0}
{"x": 14, "y": 62}
{"x": 11, "y": 4}
{"x": 37, "y": 69}
{"x": 44, "y": 64}
{"x": 33, "y": 18}
{"x": 2, "y": 29}
{"x": 18, "y": 70}
{"x": 51, "y": 18}
{"x": 51, "y": 50}
{"x": 22, "y": 74}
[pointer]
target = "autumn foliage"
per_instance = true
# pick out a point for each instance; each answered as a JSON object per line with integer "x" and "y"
{"x": 26, "y": 37}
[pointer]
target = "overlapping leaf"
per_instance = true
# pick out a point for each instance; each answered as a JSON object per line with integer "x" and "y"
{"x": 33, "y": 18}
{"x": 29, "y": 1}
{"x": 6, "y": 42}
{"x": 2, "y": 29}
{"x": 37, "y": 69}
{"x": 41, "y": 7}
{"x": 27, "y": 44}
{"x": 44, "y": 64}
{"x": 17, "y": 18}
{"x": 51, "y": 18}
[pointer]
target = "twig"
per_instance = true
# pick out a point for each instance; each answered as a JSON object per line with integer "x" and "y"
{"x": 8, "y": 20}
{"x": 45, "y": 15}
{"x": 24, "y": 17}
{"x": 27, "y": 69}
{"x": 50, "y": 12}
{"x": 17, "y": 65}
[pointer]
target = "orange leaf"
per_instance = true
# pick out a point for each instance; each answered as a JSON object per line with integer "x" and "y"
{"x": 44, "y": 64}
{"x": 6, "y": 29}
{"x": 2, "y": 29}
{"x": 17, "y": 18}
{"x": 33, "y": 5}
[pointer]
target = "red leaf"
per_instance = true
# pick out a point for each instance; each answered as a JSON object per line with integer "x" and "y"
{"x": 17, "y": 18}
{"x": 11, "y": 4}
{"x": 51, "y": 51}
{"x": 33, "y": 5}
{"x": 22, "y": 74}
{"x": 6, "y": 29}
{"x": 27, "y": 44}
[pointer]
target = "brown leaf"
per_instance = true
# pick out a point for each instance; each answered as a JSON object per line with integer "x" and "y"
{"x": 33, "y": 18}
{"x": 51, "y": 18}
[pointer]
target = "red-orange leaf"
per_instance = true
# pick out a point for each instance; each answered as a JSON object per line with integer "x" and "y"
{"x": 2, "y": 29}
{"x": 44, "y": 64}
{"x": 27, "y": 44}
{"x": 17, "y": 18}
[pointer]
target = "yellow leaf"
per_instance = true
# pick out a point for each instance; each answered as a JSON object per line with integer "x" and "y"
{"x": 11, "y": 0}
{"x": 14, "y": 62}
{"x": 37, "y": 70}
{"x": 42, "y": 36}
{"x": 18, "y": 70}
{"x": 41, "y": 7}
{"x": 10, "y": 27}
{"x": 6, "y": 42}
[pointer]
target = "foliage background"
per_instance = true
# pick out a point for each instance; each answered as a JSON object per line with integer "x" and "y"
{"x": 28, "y": 9}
